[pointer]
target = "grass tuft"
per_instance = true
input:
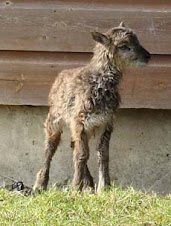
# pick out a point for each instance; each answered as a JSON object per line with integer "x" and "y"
{"x": 113, "y": 207}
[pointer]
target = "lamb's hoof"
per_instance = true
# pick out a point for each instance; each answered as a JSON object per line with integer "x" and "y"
{"x": 39, "y": 187}
{"x": 101, "y": 188}
{"x": 41, "y": 181}
{"x": 89, "y": 190}
{"x": 37, "y": 190}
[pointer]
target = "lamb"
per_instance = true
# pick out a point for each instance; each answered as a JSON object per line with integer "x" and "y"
{"x": 85, "y": 99}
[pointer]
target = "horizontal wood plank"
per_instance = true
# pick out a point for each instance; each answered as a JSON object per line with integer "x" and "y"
{"x": 65, "y": 25}
{"x": 26, "y": 77}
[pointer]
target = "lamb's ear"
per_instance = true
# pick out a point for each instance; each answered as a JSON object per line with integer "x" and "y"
{"x": 101, "y": 38}
{"x": 122, "y": 24}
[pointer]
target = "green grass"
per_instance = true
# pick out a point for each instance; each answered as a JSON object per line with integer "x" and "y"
{"x": 113, "y": 207}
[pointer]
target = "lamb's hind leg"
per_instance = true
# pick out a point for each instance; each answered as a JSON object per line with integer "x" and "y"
{"x": 103, "y": 159}
{"x": 53, "y": 135}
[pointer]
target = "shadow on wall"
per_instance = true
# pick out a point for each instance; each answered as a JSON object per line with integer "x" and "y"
{"x": 140, "y": 148}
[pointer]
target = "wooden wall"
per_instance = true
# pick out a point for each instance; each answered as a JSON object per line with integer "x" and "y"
{"x": 40, "y": 38}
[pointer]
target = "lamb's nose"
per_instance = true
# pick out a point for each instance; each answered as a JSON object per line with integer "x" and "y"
{"x": 146, "y": 54}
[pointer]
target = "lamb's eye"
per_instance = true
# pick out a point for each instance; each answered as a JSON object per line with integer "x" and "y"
{"x": 124, "y": 47}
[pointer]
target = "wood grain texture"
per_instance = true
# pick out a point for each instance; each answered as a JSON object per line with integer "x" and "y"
{"x": 65, "y": 25}
{"x": 26, "y": 77}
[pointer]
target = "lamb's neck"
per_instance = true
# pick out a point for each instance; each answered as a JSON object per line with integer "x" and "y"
{"x": 103, "y": 63}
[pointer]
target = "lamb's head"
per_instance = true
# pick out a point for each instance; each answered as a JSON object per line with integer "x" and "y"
{"x": 121, "y": 46}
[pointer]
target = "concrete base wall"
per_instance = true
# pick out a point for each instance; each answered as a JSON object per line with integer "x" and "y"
{"x": 140, "y": 149}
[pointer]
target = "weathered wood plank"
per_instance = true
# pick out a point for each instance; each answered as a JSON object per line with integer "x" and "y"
{"x": 26, "y": 77}
{"x": 65, "y": 25}
{"x": 147, "y": 88}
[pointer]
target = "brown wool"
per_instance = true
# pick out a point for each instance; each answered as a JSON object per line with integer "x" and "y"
{"x": 85, "y": 99}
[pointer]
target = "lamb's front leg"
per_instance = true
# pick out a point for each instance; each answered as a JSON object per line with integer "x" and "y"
{"x": 103, "y": 159}
{"x": 80, "y": 154}
{"x": 88, "y": 183}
